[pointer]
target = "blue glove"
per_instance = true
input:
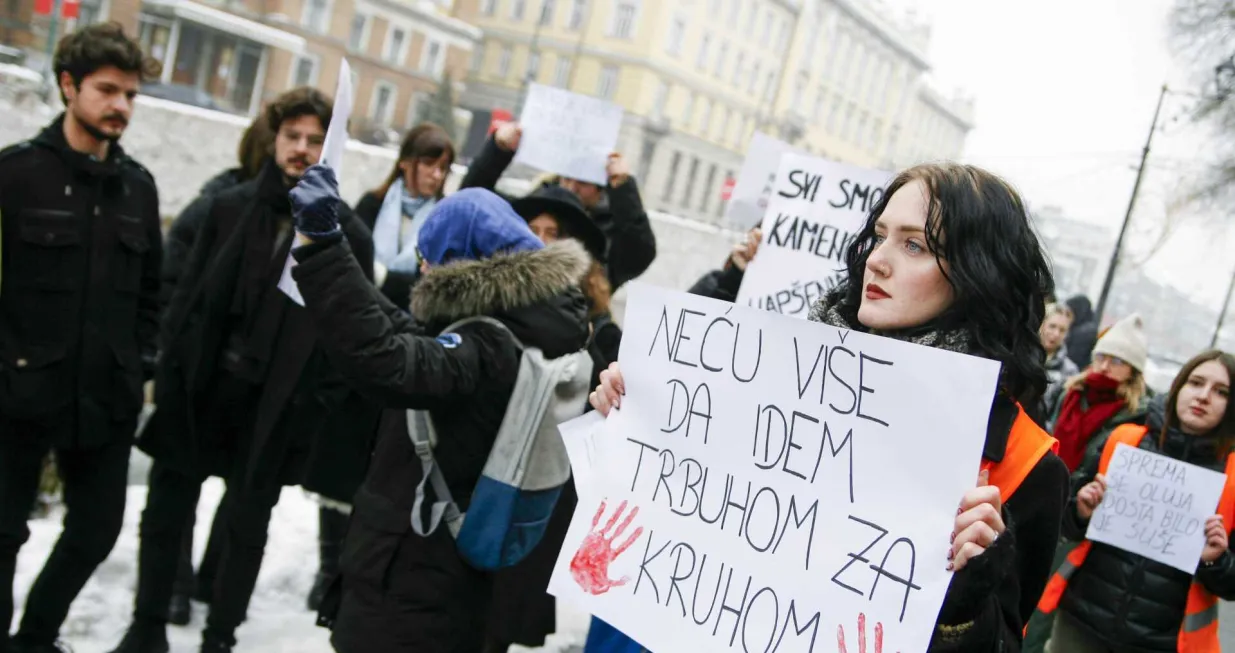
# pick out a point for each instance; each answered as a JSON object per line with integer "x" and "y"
{"x": 315, "y": 202}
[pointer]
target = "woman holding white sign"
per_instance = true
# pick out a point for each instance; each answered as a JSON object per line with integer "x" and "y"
{"x": 947, "y": 259}
{"x": 1108, "y": 599}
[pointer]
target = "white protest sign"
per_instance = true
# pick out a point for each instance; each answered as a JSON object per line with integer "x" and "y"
{"x": 770, "y": 482}
{"x": 816, "y": 208}
{"x": 1156, "y": 506}
{"x": 568, "y": 134}
{"x": 753, "y": 188}
{"x": 332, "y": 155}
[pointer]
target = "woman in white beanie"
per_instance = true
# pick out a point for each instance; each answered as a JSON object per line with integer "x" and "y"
{"x": 1107, "y": 393}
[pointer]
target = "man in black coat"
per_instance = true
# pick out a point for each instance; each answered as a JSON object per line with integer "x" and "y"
{"x": 78, "y": 319}
{"x": 1084, "y": 332}
{"x": 616, "y": 208}
{"x": 242, "y": 387}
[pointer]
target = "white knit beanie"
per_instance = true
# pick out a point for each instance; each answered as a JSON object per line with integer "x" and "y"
{"x": 1126, "y": 340}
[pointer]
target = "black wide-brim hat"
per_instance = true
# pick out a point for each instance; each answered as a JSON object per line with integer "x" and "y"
{"x": 571, "y": 217}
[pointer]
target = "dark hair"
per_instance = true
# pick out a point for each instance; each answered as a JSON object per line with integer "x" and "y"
{"x": 254, "y": 147}
{"x": 303, "y": 101}
{"x": 1226, "y": 428}
{"x": 425, "y": 142}
{"x": 88, "y": 49}
{"x": 1000, "y": 279}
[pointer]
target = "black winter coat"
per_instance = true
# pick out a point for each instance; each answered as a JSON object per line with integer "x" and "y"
{"x": 397, "y": 286}
{"x": 402, "y": 592}
{"x": 722, "y": 284}
{"x": 621, "y": 216}
{"x": 178, "y": 245}
{"x": 237, "y": 393}
{"x": 80, "y": 298}
{"x": 1127, "y": 600}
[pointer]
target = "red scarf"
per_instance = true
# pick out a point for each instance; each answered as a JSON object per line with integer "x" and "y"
{"x": 1079, "y": 420}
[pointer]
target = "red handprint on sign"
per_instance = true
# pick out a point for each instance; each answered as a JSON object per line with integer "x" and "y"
{"x": 840, "y": 636}
{"x": 590, "y": 566}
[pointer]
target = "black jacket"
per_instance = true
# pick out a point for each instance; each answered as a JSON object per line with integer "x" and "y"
{"x": 621, "y": 216}
{"x": 465, "y": 386}
{"x": 242, "y": 386}
{"x": 722, "y": 284}
{"x": 79, "y": 303}
{"x": 183, "y": 233}
{"x": 1125, "y": 599}
{"x": 397, "y": 286}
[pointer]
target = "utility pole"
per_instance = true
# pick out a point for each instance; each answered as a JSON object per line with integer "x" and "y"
{"x": 1226, "y": 306}
{"x": 50, "y": 73}
{"x": 1123, "y": 230}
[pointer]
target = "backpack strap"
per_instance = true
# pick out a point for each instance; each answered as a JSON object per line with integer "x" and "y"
{"x": 424, "y": 438}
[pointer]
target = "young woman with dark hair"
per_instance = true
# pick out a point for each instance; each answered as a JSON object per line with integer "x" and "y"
{"x": 1108, "y": 599}
{"x": 948, "y": 259}
{"x": 396, "y": 210}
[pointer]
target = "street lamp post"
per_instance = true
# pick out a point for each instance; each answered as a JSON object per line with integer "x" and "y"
{"x": 1123, "y": 229}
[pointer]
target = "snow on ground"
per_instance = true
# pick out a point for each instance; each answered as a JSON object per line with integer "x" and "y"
{"x": 278, "y": 621}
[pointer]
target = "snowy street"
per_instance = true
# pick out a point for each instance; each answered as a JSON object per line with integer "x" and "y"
{"x": 278, "y": 620}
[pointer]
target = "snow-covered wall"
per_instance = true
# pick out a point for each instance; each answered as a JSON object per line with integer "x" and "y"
{"x": 184, "y": 146}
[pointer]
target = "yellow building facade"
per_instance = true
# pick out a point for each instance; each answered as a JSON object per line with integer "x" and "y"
{"x": 698, "y": 77}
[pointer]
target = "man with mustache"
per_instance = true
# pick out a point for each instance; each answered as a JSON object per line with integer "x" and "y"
{"x": 78, "y": 318}
{"x": 242, "y": 387}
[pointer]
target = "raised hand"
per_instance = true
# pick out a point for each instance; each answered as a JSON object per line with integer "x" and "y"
{"x": 1088, "y": 498}
{"x": 978, "y": 522}
{"x": 1216, "y": 539}
{"x": 590, "y": 566}
{"x": 315, "y": 202}
{"x": 608, "y": 395}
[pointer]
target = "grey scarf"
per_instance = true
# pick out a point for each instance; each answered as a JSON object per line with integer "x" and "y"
{"x": 827, "y": 310}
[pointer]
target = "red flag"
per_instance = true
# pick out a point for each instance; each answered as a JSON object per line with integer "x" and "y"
{"x": 69, "y": 8}
{"x": 726, "y": 191}
{"x": 498, "y": 117}
{"x": 43, "y": 7}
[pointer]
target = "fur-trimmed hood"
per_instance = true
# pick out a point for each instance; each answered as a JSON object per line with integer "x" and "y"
{"x": 500, "y": 284}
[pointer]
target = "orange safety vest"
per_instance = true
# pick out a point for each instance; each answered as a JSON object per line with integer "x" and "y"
{"x": 1199, "y": 631}
{"x": 1027, "y": 444}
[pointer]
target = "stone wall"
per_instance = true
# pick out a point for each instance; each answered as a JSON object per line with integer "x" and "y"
{"x": 184, "y": 146}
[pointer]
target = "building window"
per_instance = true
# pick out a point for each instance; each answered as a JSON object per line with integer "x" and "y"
{"x": 316, "y": 15}
{"x": 478, "y": 58}
{"x": 767, "y": 28}
{"x": 705, "y": 117}
{"x": 705, "y": 44}
{"x": 833, "y": 116}
{"x": 690, "y": 182}
{"x": 517, "y": 8}
{"x": 561, "y": 72}
{"x": 754, "y": 78}
{"x": 417, "y": 109}
{"x": 382, "y": 108}
{"x": 721, "y": 52}
{"x": 546, "y": 12}
{"x": 735, "y": 8}
{"x": 846, "y": 130}
{"x": 784, "y": 36}
{"x": 396, "y": 45}
{"x": 707, "y": 189}
{"x": 675, "y": 36}
{"x": 859, "y": 137}
{"x": 660, "y": 100}
{"x": 432, "y": 60}
{"x": 624, "y": 16}
{"x": 737, "y": 69}
{"x": 488, "y": 7}
{"x": 154, "y": 36}
{"x": 606, "y": 85}
{"x": 503, "y": 62}
{"x": 672, "y": 180}
{"x": 820, "y": 97}
{"x": 304, "y": 70}
{"x": 769, "y": 87}
{"x": 532, "y": 72}
{"x": 577, "y": 9}
{"x": 725, "y": 115}
{"x": 358, "y": 33}
{"x": 688, "y": 109}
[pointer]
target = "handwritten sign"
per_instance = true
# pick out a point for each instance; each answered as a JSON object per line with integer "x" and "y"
{"x": 773, "y": 484}
{"x": 568, "y": 134}
{"x": 753, "y": 189}
{"x": 332, "y": 155}
{"x": 816, "y": 208}
{"x": 1156, "y": 506}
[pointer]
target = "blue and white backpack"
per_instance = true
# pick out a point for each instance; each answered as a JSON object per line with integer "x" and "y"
{"x": 526, "y": 468}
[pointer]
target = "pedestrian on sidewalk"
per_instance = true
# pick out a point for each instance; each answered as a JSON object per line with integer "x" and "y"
{"x": 1107, "y": 600}
{"x": 402, "y": 592}
{"x": 243, "y": 388}
{"x": 78, "y": 319}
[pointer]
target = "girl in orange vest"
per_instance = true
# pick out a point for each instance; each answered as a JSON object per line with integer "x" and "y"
{"x": 947, "y": 259}
{"x": 1106, "y": 599}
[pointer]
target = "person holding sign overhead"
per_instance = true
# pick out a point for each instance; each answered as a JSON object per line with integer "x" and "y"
{"x": 1107, "y": 599}
{"x": 616, "y": 208}
{"x": 947, "y": 259}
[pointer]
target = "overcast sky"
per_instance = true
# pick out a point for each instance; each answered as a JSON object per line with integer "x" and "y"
{"x": 1065, "y": 92}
